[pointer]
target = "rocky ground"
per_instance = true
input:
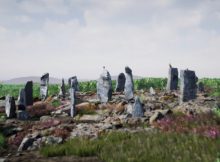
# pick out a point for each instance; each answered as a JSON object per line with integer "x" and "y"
{"x": 51, "y": 124}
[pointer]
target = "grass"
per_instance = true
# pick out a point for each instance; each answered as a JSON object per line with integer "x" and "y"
{"x": 213, "y": 84}
{"x": 143, "y": 146}
{"x": 56, "y": 103}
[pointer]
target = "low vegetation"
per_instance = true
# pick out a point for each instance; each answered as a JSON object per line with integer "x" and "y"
{"x": 178, "y": 137}
{"x": 142, "y": 146}
{"x": 212, "y": 85}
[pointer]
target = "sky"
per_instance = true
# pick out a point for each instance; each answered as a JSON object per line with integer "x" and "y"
{"x": 79, "y": 37}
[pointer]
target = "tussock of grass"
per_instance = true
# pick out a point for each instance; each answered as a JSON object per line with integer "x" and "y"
{"x": 151, "y": 147}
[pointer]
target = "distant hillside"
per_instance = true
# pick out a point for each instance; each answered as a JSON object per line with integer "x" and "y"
{"x": 134, "y": 77}
{"x": 36, "y": 79}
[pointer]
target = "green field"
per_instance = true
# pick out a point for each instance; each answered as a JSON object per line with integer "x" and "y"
{"x": 90, "y": 86}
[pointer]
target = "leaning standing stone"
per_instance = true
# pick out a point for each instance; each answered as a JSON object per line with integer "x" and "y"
{"x": 104, "y": 87}
{"x": 10, "y": 107}
{"x": 129, "y": 84}
{"x": 137, "y": 108}
{"x": 120, "y": 86}
{"x": 188, "y": 87}
{"x": 28, "y": 93}
{"x": 44, "y": 86}
{"x": 172, "y": 82}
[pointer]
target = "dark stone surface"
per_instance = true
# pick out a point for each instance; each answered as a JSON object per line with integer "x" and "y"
{"x": 28, "y": 93}
{"x": 73, "y": 82}
{"x": 120, "y": 86}
{"x": 172, "y": 82}
{"x": 44, "y": 86}
{"x": 10, "y": 107}
{"x": 188, "y": 87}
{"x": 129, "y": 84}
{"x": 22, "y": 115}
{"x": 62, "y": 93}
{"x": 138, "y": 110}
{"x": 22, "y": 100}
{"x": 104, "y": 87}
{"x": 73, "y": 102}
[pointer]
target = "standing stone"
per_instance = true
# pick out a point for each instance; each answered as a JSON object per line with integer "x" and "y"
{"x": 120, "y": 86}
{"x": 172, "y": 82}
{"x": 62, "y": 90}
{"x": 73, "y": 98}
{"x": 28, "y": 93}
{"x": 129, "y": 84}
{"x": 137, "y": 108}
{"x": 44, "y": 86}
{"x": 188, "y": 87}
{"x": 10, "y": 107}
{"x": 104, "y": 87}
{"x": 73, "y": 82}
{"x": 22, "y": 100}
{"x": 201, "y": 88}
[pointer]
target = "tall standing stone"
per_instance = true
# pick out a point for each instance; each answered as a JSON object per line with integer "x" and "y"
{"x": 22, "y": 100}
{"x": 10, "y": 107}
{"x": 188, "y": 87}
{"x": 44, "y": 86}
{"x": 129, "y": 84}
{"x": 104, "y": 87}
{"x": 73, "y": 98}
{"x": 120, "y": 86}
{"x": 28, "y": 93}
{"x": 172, "y": 82}
{"x": 73, "y": 82}
{"x": 137, "y": 110}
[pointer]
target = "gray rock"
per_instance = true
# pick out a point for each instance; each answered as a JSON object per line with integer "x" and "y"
{"x": 28, "y": 90}
{"x": 10, "y": 107}
{"x": 26, "y": 142}
{"x": 53, "y": 140}
{"x": 104, "y": 87}
{"x": 129, "y": 84}
{"x": 73, "y": 82}
{"x": 156, "y": 116}
{"x": 73, "y": 102}
{"x": 44, "y": 86}
{"x": 22, "y": 115}
{"x": 2, "y": 160}
{"x": 172, "y": 82}
{"x": 91, "y": 118}
{"x": 45, "y": 118}
{"x": 152, "y": 91}
{"x": 120, "y": 82}
{"x": 188, "y": 87}
{"x": 138, "y": 110}
{"x": 129, "y": 108}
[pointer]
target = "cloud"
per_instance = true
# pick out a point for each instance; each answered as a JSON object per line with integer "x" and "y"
{"x": 69, "y": 38}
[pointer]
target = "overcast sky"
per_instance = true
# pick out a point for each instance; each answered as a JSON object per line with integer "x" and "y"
{"x": 78, "y": 37}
